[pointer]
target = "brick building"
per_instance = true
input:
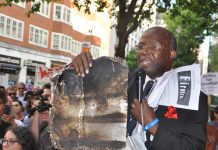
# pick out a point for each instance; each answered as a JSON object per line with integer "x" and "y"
{"x": 50, "y": 37}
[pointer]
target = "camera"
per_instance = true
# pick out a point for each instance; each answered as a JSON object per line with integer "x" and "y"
{"x": 41, "y": 107}
{"x": 7, "y": 110}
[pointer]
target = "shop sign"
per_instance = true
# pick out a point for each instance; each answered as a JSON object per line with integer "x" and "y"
{"x": 32, "y": 63}
{"x": 9, "y": 60}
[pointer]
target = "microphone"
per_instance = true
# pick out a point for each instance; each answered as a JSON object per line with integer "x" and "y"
{"x": 140, "y": 80}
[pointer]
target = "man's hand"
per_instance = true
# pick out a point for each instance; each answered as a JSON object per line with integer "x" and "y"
{"x": 81, "y": 63}
{"x": 148, "y": 114}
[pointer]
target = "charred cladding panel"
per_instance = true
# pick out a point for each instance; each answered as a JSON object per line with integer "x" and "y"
{"x": 91, "y": 112}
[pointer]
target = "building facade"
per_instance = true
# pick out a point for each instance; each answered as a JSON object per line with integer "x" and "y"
{"x": 50, "y": 37}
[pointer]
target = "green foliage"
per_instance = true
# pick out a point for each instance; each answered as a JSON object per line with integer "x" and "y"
{"x": 213, "y": 59}
{"x": 190, "y": 26}
{"x": 131, "y": 59}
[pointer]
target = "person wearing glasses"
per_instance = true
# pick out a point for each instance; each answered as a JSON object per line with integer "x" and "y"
{"x": 168, "y": 127}
{"x": 12, "y": 94}
{"x": 19, "y": 138}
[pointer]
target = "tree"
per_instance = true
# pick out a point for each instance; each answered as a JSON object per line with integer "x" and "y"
{"x": 190, "y": 21}
{"x": 190, "y": 34}
{"x": 213, "y": 59}
{"x": 131, "y": 59}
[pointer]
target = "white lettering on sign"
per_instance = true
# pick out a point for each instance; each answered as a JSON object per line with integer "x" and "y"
{"x": 9, "y": 60}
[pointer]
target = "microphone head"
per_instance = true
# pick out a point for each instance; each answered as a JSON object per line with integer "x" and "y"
{"x": 140, "y": 73}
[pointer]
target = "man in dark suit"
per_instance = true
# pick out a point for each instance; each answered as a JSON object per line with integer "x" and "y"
{"x": 185, "y": 131}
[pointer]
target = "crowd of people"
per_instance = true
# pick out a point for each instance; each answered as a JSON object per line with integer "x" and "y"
{"x": 24, "y": 115}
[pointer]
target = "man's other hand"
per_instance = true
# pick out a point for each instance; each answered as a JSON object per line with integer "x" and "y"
{"x": 81, "y": 63}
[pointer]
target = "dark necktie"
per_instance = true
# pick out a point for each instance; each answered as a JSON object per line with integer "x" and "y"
{"x": 147, "y": 88}
{"x": 146, "y": 91}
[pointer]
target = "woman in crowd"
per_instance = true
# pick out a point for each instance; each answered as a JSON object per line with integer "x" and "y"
{"x": 19, "y": 138}
{"x": 18, "y": 110}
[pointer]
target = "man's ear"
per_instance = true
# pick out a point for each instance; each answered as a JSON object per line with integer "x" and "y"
{"x": 172, "y": 54}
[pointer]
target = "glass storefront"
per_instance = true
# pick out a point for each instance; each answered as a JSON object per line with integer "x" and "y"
{"x": 9, "y": 70}
{"x": 31, "y": 69}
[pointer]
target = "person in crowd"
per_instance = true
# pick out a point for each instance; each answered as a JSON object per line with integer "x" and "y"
{"x": 38, "y": 120}
{"x": 21, "y": 87}
{"x": 11, "y": 93}
{"x": 212, "y": 132}
{"x": 2, "y": 88}
{"x": 3, "y": 125}
{"x": 47, "y": 91}
{"x": 19, "y": 138}
{"x": 18, "y": 110}
{"x": 36, "y": 88}
{"x": 186, "y": 130}
{"x": 28, "y": 96}
{"x": 9, "y": 116}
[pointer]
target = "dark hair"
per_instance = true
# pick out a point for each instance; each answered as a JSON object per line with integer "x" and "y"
{"x": 28, "y": 95}
{"x": 2, "y": 87}
{"x": 46, "y": 86}
{"x": 20, "y": 103}
{"x": 25, "y": 137}
{"x": 35, "y": 96}
{"x": 3, "y": 97}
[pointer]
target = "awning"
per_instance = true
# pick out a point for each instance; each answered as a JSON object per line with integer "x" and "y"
{"x": 9, "y": 66}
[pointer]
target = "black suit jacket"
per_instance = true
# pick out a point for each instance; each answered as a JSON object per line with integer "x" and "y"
{"x": 188, "y": 132}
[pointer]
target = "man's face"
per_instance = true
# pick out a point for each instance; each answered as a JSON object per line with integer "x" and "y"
{"x": 21, "y": 89}
{"x": 153, "y": 53}
{"x": 12, "y": 94}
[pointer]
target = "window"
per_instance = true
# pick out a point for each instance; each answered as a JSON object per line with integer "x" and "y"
{"x": 20, "y": 3}
{"x": 44, "y": 9}
{"x": 38, "y": 36}
{"x": 62, "y": 13}
{"x": 58, "y": 12}
{"x": 95, "y": 51}
{"x": 2, "y": 24}
{"x": 11, "y": 28}
{"x": 61, "y": 42}
{"x": 76, "y": 47}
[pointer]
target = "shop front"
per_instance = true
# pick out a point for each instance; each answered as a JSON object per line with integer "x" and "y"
{"x": 31, "y": 69}
{"x": 9, "y": 70}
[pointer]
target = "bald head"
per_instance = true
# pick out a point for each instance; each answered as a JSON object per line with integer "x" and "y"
{"x": 156, "y": 51}
{"x": 166, "y": 36}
